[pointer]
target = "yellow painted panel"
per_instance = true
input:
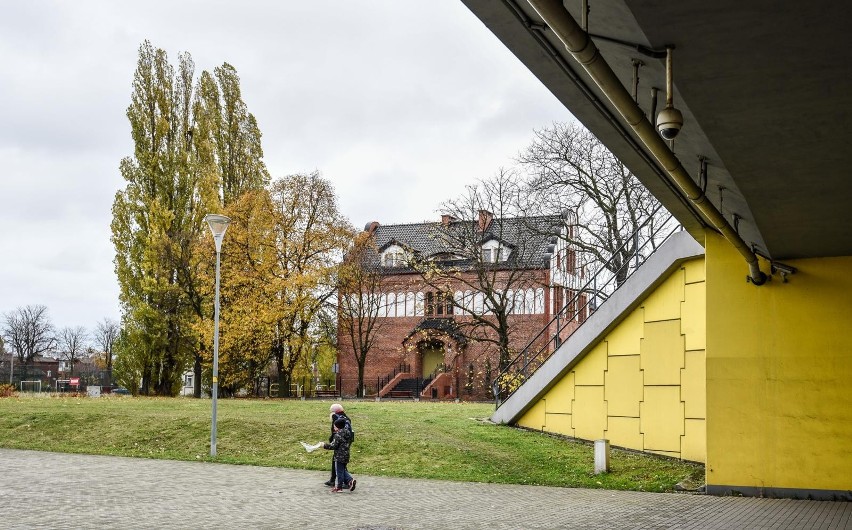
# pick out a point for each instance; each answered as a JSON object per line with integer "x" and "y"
{"x": 589, "y": 412}
{"x": 779, "y": 410}
{"x": 623, "y": 386}
{"x": 559, "y": 424}
{"x": 590, "y": 371}
{"x": 624, "y": 339}
{"x": 664, "y": 302}
{"x": 694, "y": 270}
{"x": 560, "y": 396}
{"x": 693, "y": 385}
{"x": 624, "y": 432}
{"x": 693, "y": 444}
{"x": 662, "y": 353}
{"x": 534, "y": 417}
{"x": 693, "y": 323}
{"x": 662, "y": 418}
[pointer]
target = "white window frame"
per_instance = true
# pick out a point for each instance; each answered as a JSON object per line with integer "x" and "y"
{"x": 394, "y": 256}
{"x": 492, "y": 251}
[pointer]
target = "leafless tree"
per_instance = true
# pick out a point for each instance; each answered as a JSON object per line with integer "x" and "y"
{"x": 360, "y": 301}
{"x": 572, "y": 173}
{"x": 29, "y": 332}
{"x": 488, "y": 212}
{"x": 72, "y": 345}
{"x": 105, "y": 336}
{"x": 3, "y": 356}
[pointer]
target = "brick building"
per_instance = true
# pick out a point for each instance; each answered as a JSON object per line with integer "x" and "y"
{"x": 429, "y": 338}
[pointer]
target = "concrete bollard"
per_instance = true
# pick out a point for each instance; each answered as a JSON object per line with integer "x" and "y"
{"x": 601, "y": 456}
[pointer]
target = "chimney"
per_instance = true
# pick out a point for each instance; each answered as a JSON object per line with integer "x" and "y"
{"x": 371, "y": 227}
{"x": 485, "y": 218}
{"x": 447, "y": 219}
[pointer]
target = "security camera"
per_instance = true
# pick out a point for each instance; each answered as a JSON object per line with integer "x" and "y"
{"x": 669, "y": 122}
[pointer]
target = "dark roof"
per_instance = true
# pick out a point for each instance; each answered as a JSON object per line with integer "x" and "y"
{"x": 445, "y": 325}
{"x": 530, "y": 239}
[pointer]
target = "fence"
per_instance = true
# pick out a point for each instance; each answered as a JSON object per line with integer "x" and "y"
{"x": 29, "y": 378}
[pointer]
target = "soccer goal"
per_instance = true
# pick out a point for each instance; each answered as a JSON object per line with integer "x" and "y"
{"x": 30, "y": 386}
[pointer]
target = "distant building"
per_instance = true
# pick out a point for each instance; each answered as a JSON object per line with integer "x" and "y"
{"x": 424, "y": 347}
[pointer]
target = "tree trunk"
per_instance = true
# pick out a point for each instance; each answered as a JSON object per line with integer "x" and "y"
{"x": 361, "y": 362}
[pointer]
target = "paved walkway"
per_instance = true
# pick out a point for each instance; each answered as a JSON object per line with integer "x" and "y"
{"x": 54, "y": 490}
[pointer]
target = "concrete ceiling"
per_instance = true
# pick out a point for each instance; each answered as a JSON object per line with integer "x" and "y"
{"x": 766, "y": 92}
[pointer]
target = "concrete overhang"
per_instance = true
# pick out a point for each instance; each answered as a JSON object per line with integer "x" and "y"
{"x": 766, "y": 94}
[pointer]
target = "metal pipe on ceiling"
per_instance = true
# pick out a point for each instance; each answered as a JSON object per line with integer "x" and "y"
{"x": 584, "y": 51}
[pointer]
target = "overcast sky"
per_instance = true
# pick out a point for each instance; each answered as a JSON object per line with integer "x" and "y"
{"x": 399, "y": 103}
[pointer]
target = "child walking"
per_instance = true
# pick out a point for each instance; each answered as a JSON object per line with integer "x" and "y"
{"x": 337, "y": 412}
{"x": 340, "y": 443}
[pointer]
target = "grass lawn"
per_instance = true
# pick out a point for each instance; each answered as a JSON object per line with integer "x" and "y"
{"x": 449, "y": 441}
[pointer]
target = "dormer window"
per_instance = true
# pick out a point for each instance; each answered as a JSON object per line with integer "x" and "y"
{"x": 394, "y": 256}
{"x": 493, "y": 251}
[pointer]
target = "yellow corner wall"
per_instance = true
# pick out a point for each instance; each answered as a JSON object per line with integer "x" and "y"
{"x": 779, "y": 374}
{"x": 643, "y": 385}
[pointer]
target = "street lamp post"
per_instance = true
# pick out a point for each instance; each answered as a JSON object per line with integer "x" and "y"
{"x": 218, "y": 225}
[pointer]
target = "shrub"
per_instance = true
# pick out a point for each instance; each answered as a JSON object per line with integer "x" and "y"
{"x": 7, "y": 390}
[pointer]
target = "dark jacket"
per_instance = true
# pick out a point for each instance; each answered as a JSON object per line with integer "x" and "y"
{"x": 340, "y": 442}
{"x": 334, "y": 417}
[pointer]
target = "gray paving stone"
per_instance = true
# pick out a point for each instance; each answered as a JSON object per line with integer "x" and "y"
{"x": 54, "y": 490}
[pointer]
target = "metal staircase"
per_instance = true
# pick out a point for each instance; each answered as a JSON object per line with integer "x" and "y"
{"x": 584, "y": 307}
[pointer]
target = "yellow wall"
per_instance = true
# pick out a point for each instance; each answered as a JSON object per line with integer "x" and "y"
{"x": 779, "y": 374}
{"x": 643, "y": 385}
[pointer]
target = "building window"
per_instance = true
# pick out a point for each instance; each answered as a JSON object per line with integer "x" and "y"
{"x": 383, "y": 305}
{"x": 539, "y": 301}
{"x": 409, "y": 304}
{"x": 394, "y": 256}
{"x": 419, "y": 304}
{"x": 394, "y": 259}
{"x": 391, "y": 305}
{"x": 529, "y": 302}
{"x": 400, "y": 304}
{"x": 439, "y": 304}
{"x": 493, "y": 251}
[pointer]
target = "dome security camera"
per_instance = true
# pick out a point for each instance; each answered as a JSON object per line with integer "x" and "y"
{"x": 669, "y": 122}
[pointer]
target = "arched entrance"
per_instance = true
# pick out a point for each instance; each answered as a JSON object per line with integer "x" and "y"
{"x": 431, "y": 358}
{"x": 436, "y": 350}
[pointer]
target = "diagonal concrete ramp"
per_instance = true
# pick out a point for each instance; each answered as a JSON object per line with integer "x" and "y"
{"x": 679, "y": 248}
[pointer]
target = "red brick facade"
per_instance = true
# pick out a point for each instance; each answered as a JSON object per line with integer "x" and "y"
{"x": 422, "y": 335}
{"x": 471, "y": 365}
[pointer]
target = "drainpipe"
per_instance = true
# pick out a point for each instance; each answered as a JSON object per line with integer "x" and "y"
{"x": 578, "y": 43}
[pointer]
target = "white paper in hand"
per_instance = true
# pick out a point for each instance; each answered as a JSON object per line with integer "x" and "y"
{"x": 311, "y": 448}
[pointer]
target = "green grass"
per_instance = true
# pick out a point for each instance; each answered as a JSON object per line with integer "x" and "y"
{"x": 450, "y": 441}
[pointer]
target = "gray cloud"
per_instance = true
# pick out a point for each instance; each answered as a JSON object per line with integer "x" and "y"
{"x": 398, "y": 103}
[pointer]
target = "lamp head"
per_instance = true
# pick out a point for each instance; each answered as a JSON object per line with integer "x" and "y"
{"x": 218, "y": 225}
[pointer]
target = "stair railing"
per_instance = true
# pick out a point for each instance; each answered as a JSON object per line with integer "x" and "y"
{"x": 585, "y": 300}
{"x": 382, "y": 381}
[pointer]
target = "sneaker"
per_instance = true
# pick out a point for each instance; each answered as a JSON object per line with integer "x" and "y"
{"x": 352, "y": 485}
{"x": 335, "y": 490}
{"x": 329, "y": 483}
